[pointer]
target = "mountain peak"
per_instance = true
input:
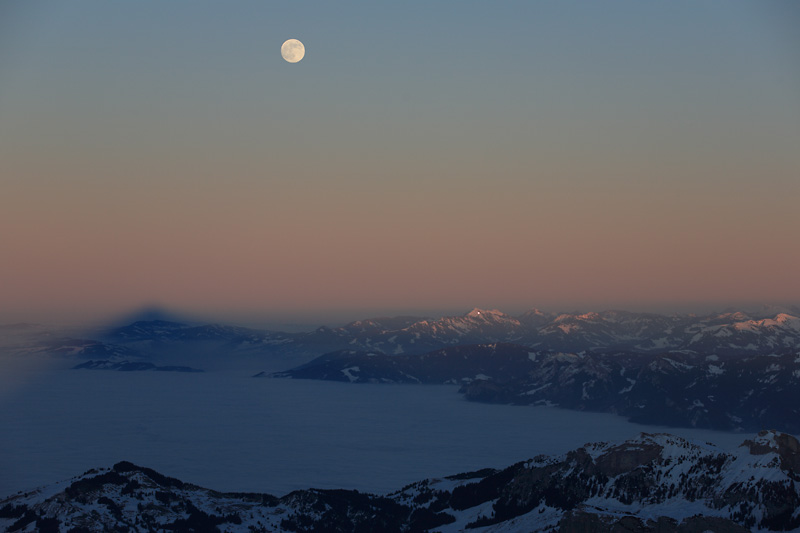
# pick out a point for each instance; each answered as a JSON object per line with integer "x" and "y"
{"x": 788, "y": 320}
{"x": 739, "y": 316}
{"x": 533, "y": 311}
{"x": 770, "y": 311}
{"x": 485, "y": 313}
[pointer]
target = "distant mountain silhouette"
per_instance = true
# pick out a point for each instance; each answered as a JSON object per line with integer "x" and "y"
{"x": 152, "y": 314}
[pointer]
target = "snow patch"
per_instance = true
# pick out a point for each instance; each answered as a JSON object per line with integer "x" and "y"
{"x": 348, "y": 372}
{"x": 631, "y": 382}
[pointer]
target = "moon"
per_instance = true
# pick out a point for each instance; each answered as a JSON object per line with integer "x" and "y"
{"x": 293, "y": 50}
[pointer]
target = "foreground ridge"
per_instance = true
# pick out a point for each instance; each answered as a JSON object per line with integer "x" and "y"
{"x": 657, "y": 482}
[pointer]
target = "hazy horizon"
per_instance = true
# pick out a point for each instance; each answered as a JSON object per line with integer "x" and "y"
{"x": 419, "y": 159}
{"x": 294, "y": 320}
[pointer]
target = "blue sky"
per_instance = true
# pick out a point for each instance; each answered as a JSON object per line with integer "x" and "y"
{"x": 597, "y": 153}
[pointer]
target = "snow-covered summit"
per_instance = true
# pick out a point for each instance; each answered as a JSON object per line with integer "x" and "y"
{"x": 487, "y": 314}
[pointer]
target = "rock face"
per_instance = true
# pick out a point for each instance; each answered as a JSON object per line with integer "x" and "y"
{"x": 786, "y": 446}
{"x": 656, "y": 483}
{"x": 739, "y": 393}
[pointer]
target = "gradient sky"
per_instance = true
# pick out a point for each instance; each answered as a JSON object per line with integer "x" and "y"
{"x": 422, "y": 156}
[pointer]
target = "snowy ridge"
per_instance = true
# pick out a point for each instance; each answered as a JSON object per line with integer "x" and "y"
{"x": 725, "y": 334}
{"x": 734, "y": 333}
{"x": 657, "y": 482}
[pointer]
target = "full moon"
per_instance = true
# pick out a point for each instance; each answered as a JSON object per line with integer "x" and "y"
{"x": 293, "y": 50}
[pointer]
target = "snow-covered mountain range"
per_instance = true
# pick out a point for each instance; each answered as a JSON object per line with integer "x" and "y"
{"x": 769, "y": 331}
{"x": 657, "y": 482}
{"x": 731, "y": 333}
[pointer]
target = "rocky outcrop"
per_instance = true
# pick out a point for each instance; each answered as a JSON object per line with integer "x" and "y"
{"x": 786, "y": 446}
